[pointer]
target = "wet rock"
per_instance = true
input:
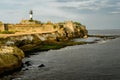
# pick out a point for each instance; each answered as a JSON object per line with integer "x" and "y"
{"x": 41, "y": 65}
{"x": 25, "y": 69}
{"x": 28, "y": 63}
{"x": 96, "y": 40}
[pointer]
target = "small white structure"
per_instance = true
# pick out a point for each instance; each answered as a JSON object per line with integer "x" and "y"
{"x": 31, "y": 15}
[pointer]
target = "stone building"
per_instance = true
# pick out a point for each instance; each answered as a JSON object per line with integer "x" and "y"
{"x": 3, "y": 26}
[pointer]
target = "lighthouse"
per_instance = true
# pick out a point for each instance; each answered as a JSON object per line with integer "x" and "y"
{"x": 31, "y": 15}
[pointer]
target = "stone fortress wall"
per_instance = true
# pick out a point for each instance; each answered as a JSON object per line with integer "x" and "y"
{"x": 28, "y": 27}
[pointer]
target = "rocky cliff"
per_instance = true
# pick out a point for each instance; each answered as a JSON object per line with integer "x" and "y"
{"x": 11, "y": 57}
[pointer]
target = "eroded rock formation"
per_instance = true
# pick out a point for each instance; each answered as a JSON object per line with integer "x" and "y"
{"x": 10, "y": 58}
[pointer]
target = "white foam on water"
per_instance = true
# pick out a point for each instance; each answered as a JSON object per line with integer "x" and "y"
{"x": 103, "y": 41}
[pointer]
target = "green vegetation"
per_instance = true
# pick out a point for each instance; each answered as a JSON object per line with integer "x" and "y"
{"x": 31, "y": 20}
{"x": 7, "y": 32}
{"x": 55, "y": 26}
{"x": 47, "y": 45}
{"x": 61, "y": 23}
{"x": 78, "y": 23}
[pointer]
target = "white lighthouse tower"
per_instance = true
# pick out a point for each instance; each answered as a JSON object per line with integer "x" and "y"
{"x": 31, "y": 15}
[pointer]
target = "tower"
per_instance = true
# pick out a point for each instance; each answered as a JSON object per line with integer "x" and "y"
{"x": 31, "y": 15}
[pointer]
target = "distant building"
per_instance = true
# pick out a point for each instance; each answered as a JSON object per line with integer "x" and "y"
{"x": 3, "y": 26}
{"x": 28, "y": 25}
{"x": 31, "y": 15}
{"x": 30, "y": 21}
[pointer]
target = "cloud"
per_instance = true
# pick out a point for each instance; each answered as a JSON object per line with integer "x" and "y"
{"x": 89, "y": 12}
{"x": 83, "y": 5}
{"x": 115, "y": 12}
{"x": 91, "y": 5}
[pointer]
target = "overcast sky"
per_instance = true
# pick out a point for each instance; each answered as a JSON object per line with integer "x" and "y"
{"x": 95, "y": 14}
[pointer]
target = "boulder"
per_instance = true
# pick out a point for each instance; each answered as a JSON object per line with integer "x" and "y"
{"x": 10, "y": 58}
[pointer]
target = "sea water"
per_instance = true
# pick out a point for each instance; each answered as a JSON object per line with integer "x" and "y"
{"x": 99, "y": 61}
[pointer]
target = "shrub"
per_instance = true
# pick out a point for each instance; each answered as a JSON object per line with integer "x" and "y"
{"x": 77, "y": 23}
{"x": 55, "y": 26}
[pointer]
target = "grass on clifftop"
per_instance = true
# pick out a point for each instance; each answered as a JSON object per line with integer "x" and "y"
{"x": 7, "y": 32}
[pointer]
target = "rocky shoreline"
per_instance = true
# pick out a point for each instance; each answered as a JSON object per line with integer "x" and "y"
{"x": 19, "y": 52}
{"x": 13, "y": 47}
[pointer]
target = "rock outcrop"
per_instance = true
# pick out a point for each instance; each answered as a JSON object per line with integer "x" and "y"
{"x": 73, "y": 29}
{"x": 10, "y": 58}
